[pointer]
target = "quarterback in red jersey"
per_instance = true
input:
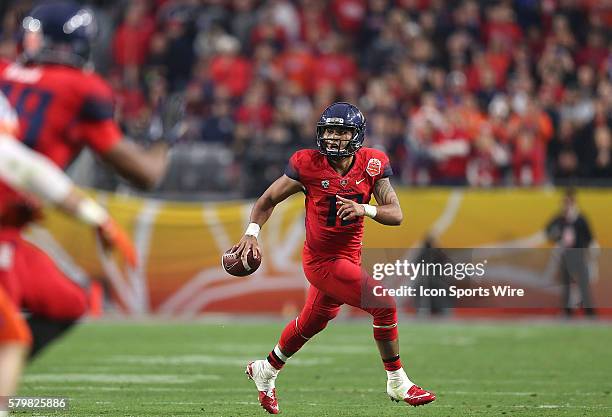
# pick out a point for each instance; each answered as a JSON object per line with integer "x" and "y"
{"x": 338, "y": 180}
{"x": 62, "y": 107}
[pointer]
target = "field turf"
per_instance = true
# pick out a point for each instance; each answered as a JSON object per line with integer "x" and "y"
{"x": 196, "y": 369}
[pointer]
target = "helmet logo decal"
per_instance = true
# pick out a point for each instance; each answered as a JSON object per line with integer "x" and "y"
{"x": 325, "y": 184}
{"x": 374, "y": 167}
{"x": 334, "y": 120}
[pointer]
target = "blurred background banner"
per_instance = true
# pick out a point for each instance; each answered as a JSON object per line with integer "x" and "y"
{"x": 180, "y": 244}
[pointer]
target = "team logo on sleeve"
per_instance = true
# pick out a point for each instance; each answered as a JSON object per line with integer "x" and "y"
{"x": 374, "y": 167}
{"x": 325, "y": 184}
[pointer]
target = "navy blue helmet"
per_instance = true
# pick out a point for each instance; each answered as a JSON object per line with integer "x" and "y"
{"x": 59, "y": 32}
{"x": 342, "y": 115}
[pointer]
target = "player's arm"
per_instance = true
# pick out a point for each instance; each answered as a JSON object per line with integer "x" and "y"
{"x": 29, "y": 171}
{"x": 388, "y": 210}
{"x": 280, "y": 190}
{"x": 143, "y": 167}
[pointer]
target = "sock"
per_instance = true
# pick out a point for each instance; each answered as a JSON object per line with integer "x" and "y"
{"x": 277, "y": 359}
{"x": 399, "y": 375}
{"x": 45, "y": 330}
{"x": 392, "y": 364}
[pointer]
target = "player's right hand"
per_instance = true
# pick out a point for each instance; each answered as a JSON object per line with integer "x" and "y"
{"x": 113, "y": 236}
{"x": 247, "y": 244}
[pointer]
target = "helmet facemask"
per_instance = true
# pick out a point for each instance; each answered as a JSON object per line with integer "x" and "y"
{"x": 337, "y": 144}
{"x": 340, "y": 117}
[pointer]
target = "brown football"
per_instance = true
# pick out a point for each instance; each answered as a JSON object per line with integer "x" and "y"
{"x": 233, "y": 264}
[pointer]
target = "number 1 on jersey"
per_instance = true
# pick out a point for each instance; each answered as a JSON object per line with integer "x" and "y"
{"x": 333, "y": 209}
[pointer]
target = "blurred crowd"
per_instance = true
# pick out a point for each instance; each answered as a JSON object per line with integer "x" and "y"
{"x": 479, "y": 93}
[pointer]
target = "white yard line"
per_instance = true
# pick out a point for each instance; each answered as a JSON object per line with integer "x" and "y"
{"x": 202, "y": 359}
{"x": 116, "y": 378}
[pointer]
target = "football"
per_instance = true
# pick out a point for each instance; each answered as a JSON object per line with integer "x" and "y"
{"x": 234, "y": 265}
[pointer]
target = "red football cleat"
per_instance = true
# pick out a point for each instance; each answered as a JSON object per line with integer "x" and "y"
{"x": 268, "y": 401}
{"x": 418, "y": 396}
{"x": 264, "y": 380}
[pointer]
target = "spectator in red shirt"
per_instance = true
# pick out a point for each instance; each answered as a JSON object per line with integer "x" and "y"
{"x": 601, "y": 165}
{"x": 595, "y": 51}
{"x": 499, "y": 111}
{"x": 297, "y": 64}
{"x": 228, "y": 68}
{"x": 528, "y": 159}
{"x": 267, "y": 30}
{"x": 334, "y": 65}
{"x": 348, "y": 14}
{"x": 501, "y": 25}
{"x": 486, "y": 160}
{"x": 449, "y": 151}
{"x": 529, "y": 129}
{"x": 133, "y": 36}
{"x": 314, "y": 22}
{"x": 129, "y": 98}
{"x": 255, "y": 111}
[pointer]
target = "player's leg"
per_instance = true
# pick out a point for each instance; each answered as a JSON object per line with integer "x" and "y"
{"x": 346, "y": 283}
{"x": 581, "y": 274}
{"x": 566, "y": 281}
{"x": 15, "y": 341}
{"x": 318, "y": 310}
{"x": 54, "y": 301}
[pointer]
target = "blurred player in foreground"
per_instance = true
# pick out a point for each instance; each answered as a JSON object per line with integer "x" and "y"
{"x": 23, "y": 170}
{"x": 15, "y": 340}
{"x": 338, "y": 180}
{"x": 62, "y": 107}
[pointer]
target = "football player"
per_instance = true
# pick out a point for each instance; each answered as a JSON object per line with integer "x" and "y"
{"x": 338, "y": 181}
{"x": 27, "y": 171}
{"x": 15, "y": 340}
{"x": 63, "y": 106}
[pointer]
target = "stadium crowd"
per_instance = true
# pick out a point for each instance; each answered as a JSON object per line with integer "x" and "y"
{"x": 479, "y": 93}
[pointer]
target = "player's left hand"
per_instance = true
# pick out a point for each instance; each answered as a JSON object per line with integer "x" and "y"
{"x": 349, "y": 209}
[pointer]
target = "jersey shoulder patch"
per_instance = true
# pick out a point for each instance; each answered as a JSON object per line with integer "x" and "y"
{"x": 374, "y": 167}
{"x": 376, "y": 163}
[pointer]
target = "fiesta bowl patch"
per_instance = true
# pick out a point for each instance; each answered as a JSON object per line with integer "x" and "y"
{"x": 374, "y": 166}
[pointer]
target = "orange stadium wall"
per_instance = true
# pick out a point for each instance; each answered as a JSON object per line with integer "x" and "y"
{"x": 180, "y": 244}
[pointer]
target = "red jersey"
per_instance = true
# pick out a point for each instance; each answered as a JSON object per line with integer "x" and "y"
{"x": 61, "y": 110}
{"x": 327, "y": 236}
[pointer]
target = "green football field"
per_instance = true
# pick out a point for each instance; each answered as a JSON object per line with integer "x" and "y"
{"x": 197, "y": 369}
